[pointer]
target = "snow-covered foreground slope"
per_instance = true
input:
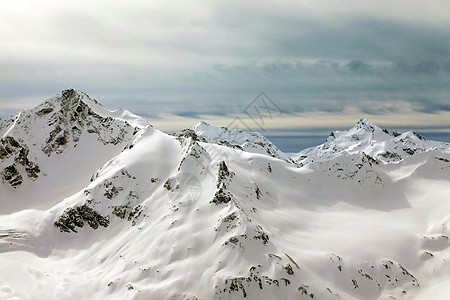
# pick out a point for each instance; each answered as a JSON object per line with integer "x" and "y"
{"x": 378, "y": 143}
{"x": 179, "y": 218}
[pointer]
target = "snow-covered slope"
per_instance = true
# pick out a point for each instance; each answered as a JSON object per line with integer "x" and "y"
{"x": 248, "y": 141}
{"x": 178, "y": 217}
{"x": 380, "y": 144}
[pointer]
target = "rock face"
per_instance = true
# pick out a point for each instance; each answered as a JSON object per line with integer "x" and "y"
{"x": 204, "y": 215}
{"x": 378, "y": 143}
{"x": 72, "y": 114}
{"x": 16, "y": 153}
{"x": 78, "y": 217}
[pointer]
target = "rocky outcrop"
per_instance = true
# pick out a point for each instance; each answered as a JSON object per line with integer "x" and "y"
{"x": 19, "y": 165}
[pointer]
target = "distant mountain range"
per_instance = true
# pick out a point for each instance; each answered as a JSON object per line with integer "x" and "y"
{"x": 378, "y": 143}
{"x": 98, "y": 204}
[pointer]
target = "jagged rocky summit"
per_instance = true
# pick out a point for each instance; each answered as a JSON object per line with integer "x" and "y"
{"x": 63, "y": 140}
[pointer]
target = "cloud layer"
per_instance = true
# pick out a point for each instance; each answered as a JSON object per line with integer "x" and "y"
{"x": 211, "y": 58}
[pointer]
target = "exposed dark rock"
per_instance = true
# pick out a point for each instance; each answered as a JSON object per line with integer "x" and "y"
{"x": 254, "y": 278}
{"x": 56, "y": 142}
{"x": 409, "y": 151}
{"x": 369, "y": 159}
{"x": 134, "y": 214}
{"x": 223, "y": 175}
{"x": 221, "y": 197}
{"x": 112, "y": 191}
{"x": 233, "y": 240}
{"x": 261, "y": 235}
{"x": 288, "y": 269}
{"x": 355, "y": 283}
{"x": 442, "y": 159}
{"x": 12, "y": 176}
{"x": 121, "y": 211}
{"x": 422, "y": 138}
{"x": 228, "y": 144}
{"x": 190, "y": 133}
{"x": 228, "y": 223}
{"x": 8, "y": 146}
{"x": 77, "y": 217}
{"x": 168, "y": 184}
{"x": 223, "y": 171}
{"x": 258, "y": 192}
{"x": 292, "y": 260}
{"x": 69, "y": 93}
{"x": 76, "y": 133}
{"x": 32, "y": 170}
{"x": 44, "y": 111}
{"x": 390, "y": 156}
{"x": 304, "y": 291}
{"x": 230, "y": 217}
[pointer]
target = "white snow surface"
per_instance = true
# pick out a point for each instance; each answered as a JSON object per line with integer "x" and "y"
{"x": 379, "y": 143}
{"x": 155, "y": 216}
{"x": 249, "y": 141}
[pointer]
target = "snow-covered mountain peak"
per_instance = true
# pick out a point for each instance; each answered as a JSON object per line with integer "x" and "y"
{"x": 77, "y": 104}
{"x": 69, "y": 105}
{"x": 201, "y": 124}
{"x": 362, "y": 135}
{"x": 250, "y": 141}
{"x": 70, "y": 131}
{"x": 365, "y": 129}
{"x": 66, "y": 117}
{"x": 363, "y": 123}
{"x": 70, "y": 99}
{"x": 378, "y": 143}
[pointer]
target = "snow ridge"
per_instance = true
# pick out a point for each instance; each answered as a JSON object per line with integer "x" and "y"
{"x": 249, "y": 141}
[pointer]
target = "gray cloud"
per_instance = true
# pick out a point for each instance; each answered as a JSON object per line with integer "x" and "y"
{"x": 203, "y": 58}
{"x": 431, "y": 105}
{"x": 446, "y": 67}
{"x": 422, "y": 67}
{"x": 359, "y": 67}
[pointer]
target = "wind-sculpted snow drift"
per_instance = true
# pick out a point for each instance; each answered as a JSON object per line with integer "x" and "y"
{"x": 100, "y": 205}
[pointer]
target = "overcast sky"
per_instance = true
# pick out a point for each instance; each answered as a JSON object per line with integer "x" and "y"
{"x": 181, "y": 61}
